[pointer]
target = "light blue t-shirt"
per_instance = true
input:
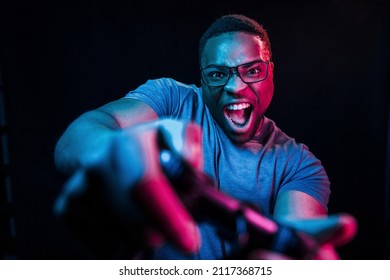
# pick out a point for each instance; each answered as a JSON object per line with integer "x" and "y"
{"x": 254, "y": 172}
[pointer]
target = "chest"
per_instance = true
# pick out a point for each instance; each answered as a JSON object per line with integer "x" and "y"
{"x": 249, "y": 175}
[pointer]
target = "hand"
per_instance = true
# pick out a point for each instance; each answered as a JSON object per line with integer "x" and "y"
{"x": 123, "y": 200}
{"x": 330, "y": 232}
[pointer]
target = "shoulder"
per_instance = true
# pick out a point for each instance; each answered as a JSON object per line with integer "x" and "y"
{"x": 168, "y": 97}
{"x": 284, "y": 146}
{"x": 167, "y": 85}
{"x": 272, "y": 135}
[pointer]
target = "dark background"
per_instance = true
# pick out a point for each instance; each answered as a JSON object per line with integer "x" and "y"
{"x": 331, "y": 92}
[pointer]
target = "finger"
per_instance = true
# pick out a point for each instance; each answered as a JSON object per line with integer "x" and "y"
{"x": 192, "y": 148}
{"x": 166, "y": 210}
{"x": 183, "y": 138}
{"x": 73, "y": 189}
{"x": 346, "y": 230}
{"x": 327, "y": 252}
{"x": 160, "y": 202}
{"x": 262, "y": 254}
{"x": 153, "y": 237}
{"x": 83, "y": 210}
{"x": 335, "y": 229}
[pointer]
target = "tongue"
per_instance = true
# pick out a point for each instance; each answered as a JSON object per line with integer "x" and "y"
{"x": 237, "y": 116}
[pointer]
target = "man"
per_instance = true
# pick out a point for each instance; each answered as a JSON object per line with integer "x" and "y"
{"x": 219, "y": 128}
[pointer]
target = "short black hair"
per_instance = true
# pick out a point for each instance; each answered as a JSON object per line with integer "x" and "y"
{"x": 235, "y": 23}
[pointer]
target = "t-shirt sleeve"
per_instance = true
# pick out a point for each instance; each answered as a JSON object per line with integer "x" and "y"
{"x": 162, "y": 95}
{"x": 304, "y": 172}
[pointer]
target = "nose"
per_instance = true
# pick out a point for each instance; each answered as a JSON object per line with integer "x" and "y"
{"x": 235, "y": 84}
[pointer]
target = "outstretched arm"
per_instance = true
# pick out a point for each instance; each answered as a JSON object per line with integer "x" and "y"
{"x": 117, "y": 182}
{"x": 303, "y": 212}
{"x": 89, "y": 135}
{"x": 297, "y": 205}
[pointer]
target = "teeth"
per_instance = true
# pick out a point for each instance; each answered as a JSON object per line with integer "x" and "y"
{"x": 238, "y": 106}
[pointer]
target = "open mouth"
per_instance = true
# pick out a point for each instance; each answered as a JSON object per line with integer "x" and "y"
{"x": 238, "y": 113}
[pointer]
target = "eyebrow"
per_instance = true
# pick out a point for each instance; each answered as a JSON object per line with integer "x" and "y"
{"x": 225, "y": 66}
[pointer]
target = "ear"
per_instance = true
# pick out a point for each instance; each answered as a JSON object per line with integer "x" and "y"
{"x": 271, "y": 66}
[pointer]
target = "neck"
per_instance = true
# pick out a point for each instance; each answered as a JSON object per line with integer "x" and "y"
{"x": 260, "y": 126}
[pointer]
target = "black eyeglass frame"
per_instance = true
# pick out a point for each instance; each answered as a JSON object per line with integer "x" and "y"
{"x": 234, "y": 70}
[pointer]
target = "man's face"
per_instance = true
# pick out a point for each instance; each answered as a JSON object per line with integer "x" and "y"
{"x": 237, "y": 107}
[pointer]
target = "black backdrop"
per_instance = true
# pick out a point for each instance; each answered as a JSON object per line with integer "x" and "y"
{"x": 331, "y": 92}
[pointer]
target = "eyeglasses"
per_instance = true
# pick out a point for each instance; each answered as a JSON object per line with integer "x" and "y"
{"x": 252, "y": 72}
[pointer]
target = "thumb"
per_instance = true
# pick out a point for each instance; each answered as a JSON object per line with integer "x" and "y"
{"x": 192, "y": 147}
{"x": 74, "y": 188}
{"x": 344, "y": 230}
{"x": 337, "y": 229}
